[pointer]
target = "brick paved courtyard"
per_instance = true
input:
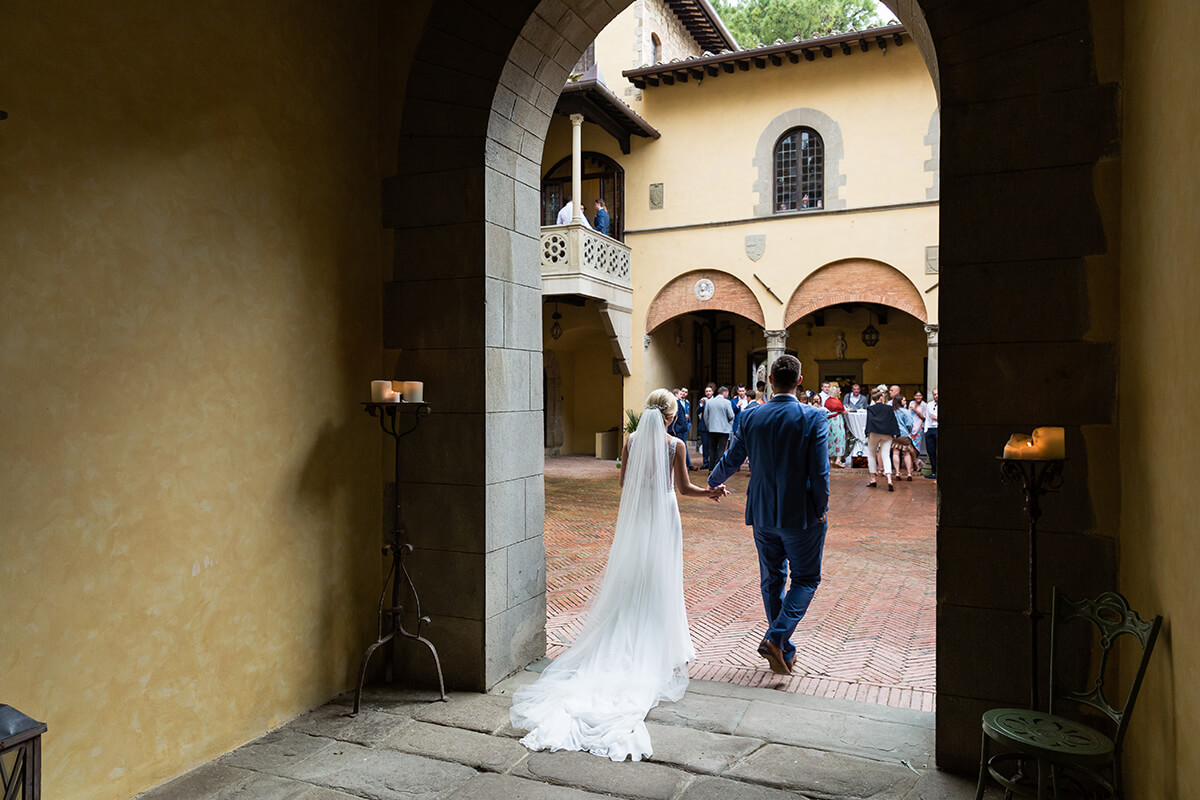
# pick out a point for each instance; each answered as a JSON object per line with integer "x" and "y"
{"x": 869, "y": 633}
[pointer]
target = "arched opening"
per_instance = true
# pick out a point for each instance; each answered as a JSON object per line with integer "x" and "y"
{"x": 602, "y": 177}
{"x": 1052, "y": 203}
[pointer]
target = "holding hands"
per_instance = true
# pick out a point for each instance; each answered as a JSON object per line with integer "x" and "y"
{"x": 715, "y": 493}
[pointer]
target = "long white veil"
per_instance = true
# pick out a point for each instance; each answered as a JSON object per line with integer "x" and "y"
{"x": 633, "y": 648}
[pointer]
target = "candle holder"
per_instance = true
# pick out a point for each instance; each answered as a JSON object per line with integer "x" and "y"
{"x": 1036, "y": 477}
{"x": 390, "y": 621}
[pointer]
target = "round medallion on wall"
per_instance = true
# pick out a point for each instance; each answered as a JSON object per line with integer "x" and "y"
{"x": 704, "y": 289}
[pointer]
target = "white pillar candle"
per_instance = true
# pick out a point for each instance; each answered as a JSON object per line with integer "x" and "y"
{"x": 414, "y": 392}
{"x": 381, "y": 392}
{"x": 1051, "y": 443}
{"x": 1020, "y": 446}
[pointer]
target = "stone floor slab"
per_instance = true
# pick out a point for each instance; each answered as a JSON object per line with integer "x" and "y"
{"x": 216, "y": 781}
{"x": 706, "y": 788}
{"x": 475, "y": 750}
{"x": 276, "y": 750}
{"x": 391, "y": 698}
{"x": 844, "y": 733}
{"x": 333, "y": 721}
{"x": 484, "y": 713}
{"x": 382, "y": 774}
{"x": 506, "y": 787}
{"x": 819, "y": 774}
{"x": 639, "y": 779}
{"x": 714, "y": 714}
{"x": 698, "y": 751}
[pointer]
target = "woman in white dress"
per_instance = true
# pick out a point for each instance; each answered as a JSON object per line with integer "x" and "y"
{"x": 634, "y": 647}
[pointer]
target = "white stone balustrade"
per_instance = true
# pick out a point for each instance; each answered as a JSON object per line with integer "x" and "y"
{"x": 577, "y": 260}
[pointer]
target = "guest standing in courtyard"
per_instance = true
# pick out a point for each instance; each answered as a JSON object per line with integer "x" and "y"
{"x": 881, "y": 432}
{"x": 837, "y": 426}
{"x": 718, "y": 417}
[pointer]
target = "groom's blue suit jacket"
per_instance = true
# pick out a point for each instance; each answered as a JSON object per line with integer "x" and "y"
{"x": 787, "y": 443}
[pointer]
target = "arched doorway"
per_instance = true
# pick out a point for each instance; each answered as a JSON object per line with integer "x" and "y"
{"x": 1012, "y": 208}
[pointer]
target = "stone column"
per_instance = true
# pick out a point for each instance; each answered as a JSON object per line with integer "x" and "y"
{"x": 931, "y": 333}
{"x": 576, "y": 169}
{"x": 776, "y": 346}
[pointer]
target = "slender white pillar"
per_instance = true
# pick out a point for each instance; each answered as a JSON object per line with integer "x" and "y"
{"x": 931, "y": 380}
{"x": 576, "y": 168}
{"x": 776, "y": 346}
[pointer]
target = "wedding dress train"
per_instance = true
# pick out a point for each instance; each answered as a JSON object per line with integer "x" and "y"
{"x": 634, "y": 647}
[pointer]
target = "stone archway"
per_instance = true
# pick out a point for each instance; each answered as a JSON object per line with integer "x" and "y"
{"x": 681, "y": 296}
{"x": 855, "y": 280}
{"x": 1017, "y": 211}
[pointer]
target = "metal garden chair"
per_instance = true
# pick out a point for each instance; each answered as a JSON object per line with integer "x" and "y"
{"x": 1068, "y": 754}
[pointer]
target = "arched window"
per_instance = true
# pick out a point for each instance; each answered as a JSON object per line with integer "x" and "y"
{"x": 655, "y": 48}
{"x": 799, "y": 171}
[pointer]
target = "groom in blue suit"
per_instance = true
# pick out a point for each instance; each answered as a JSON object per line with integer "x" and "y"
{"x": 786, "y": 503}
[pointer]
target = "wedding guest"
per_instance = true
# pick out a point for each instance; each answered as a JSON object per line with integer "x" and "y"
{"x": 718, "y": 417}
{"x": 881, "y": 431}
{"x": 682, "y": 423}
{"x": 931, "y": 434}
{"x": 837, "y": 427}
{"x": 856, "y": 400}
{"x": 902, "y": 448}
{"x": 705, "y": 446}
{"x": 919, "y": 410}
{"x": 824, "y": 393}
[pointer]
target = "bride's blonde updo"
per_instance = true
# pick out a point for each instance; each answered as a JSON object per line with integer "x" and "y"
{"x": 663, "y": 401}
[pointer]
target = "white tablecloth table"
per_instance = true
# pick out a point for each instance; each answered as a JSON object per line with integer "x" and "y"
{"x": 856, "y": 433}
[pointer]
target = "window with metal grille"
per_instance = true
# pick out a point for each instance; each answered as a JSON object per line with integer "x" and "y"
{"x": 799, "y": 171}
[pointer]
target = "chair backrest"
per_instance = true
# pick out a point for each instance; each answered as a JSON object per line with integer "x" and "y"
{"x": 1112, "y": 617}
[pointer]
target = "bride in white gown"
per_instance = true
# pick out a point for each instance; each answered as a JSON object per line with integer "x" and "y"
{"x": 634, "y": 647}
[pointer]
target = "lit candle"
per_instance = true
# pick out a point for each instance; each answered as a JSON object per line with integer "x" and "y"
{"x": 398, "y": 388}
{"x": 414, "y": 391}
{"x": 1019, "y": 446}
{"x": 381, "y": 392}
{"x": 1051, "y": 443}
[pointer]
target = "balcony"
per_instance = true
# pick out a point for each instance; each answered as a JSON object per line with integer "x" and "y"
{"x": 577, "y": 260}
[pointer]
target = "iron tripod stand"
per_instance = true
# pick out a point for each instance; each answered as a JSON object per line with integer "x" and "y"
{"x": 1036, "y": 477}
{"x": 390, "y": 618}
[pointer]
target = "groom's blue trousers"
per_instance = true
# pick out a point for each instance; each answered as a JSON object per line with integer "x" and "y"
{"x": 781, "y": 550}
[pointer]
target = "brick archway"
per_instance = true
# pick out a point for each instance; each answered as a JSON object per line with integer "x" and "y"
{"x": 679, "y": 297}
{"x": 855, "y": 280}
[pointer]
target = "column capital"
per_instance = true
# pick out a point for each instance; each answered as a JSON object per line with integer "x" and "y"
{"x": 776, "y": 339}
{"x": 577, "y": 120}
{"x": 931, "y": 333}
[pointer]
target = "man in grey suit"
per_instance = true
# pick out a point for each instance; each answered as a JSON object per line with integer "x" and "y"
{"x": 718, "y": 418}
{"x": 786, "y": 503}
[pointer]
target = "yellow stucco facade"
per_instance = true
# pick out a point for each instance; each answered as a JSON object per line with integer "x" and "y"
{"x": 877, "y": 114}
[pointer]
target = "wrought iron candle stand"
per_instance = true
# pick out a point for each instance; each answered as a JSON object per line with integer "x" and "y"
{"x": 390, "y": 619}
{"x": 1037, "y": 477}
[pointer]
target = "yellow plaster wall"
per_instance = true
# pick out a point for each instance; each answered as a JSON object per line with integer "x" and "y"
{"x": 1160, "y": 377}
{"x": 591, "y": 392}
{"x": 710, "y": 130}
{"x": 189, "y": 315}
{"x": 897, "y": 358}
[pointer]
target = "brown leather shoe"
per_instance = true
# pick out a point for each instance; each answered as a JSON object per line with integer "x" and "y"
{"x": 774, "y": 656}
{"x": 791, "y": 665}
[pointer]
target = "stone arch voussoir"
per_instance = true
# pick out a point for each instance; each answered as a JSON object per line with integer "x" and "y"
{"x": 855, "y": 280}
{"x": 679, "y": 297}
